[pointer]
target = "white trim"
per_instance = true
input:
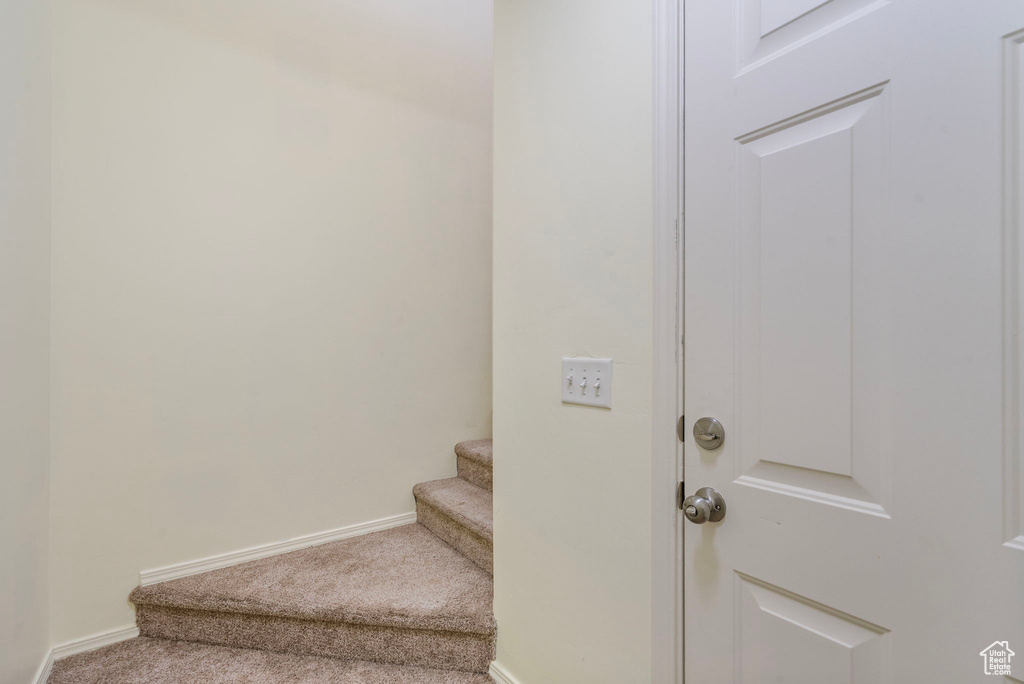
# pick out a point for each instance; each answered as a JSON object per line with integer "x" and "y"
{"x": 170, "y": 572}
{"x": 500, "y": 675}
{"x": 89, "y": 643}
{"x": 44, "y": 670}
{"x": 666, "y": 465}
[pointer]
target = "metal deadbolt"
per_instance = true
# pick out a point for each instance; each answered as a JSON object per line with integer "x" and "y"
{"x": 708, "y": 433}
{"x": 704, "y": 505}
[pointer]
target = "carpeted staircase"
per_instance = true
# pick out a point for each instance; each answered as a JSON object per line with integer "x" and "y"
{"x": 409, "y": 605}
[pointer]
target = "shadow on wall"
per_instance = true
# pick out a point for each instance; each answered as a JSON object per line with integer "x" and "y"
{"x": 420, "y": 58}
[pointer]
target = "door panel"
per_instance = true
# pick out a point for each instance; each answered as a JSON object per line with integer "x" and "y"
{"x": 853, "y": 309}
{"x": 765, "y": 29}
{"x": 812, "y": 207}
{"x": 774, "y": 625}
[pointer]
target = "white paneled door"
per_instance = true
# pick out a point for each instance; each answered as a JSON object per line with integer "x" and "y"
{"x": 853, "y": 306}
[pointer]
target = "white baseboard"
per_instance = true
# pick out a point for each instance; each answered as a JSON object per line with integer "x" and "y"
{"x": 170, "y": 572}
{"x": 500, "y": 675}
{"x": 90, "y": 643}
{"x": 44, "y": 670}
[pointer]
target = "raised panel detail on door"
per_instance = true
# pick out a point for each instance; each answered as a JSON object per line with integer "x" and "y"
{"x": 812, "y": 227}
{"x": 776, "y": 14}
{"x": 1013, "y": 292}
{"x": 769, "y": 28}
{"x": 789, "y": 638}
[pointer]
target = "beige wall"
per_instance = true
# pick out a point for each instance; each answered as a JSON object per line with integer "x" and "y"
{"x": 573, "y": 277}
{"x": 271, "y": 274}
{"x": 24, "y": 336}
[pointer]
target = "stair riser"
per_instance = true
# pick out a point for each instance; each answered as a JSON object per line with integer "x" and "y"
{"x": 475, "y": 473}
{"x": 464, "y": 540}
{"x": 442, "y": 650}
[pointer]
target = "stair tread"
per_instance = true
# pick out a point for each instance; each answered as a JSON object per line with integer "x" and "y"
{"x": 403, "y": 577}
{"x": 461, "y": 501}
{"x": 161, "y": 661}
{"x": 479, "y": 450}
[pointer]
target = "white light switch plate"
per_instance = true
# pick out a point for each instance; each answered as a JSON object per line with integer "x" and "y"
{"x": 587, "y": 382}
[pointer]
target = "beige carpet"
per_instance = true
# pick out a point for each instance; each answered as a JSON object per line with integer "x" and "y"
{"x": 461, "y": 514}
{"x": 373, "y": 609}
{"x": 402, "y": 577}
{"x": 475, "y": 460}
{"x": 159, "y": 661}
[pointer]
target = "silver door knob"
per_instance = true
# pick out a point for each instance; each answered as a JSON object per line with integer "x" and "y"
{"x": 704, "y": 505}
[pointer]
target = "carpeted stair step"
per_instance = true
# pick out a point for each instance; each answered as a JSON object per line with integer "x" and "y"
{"x": 461, "y": 514}
{"x": 476, "y": 461}
{"x": 398, "y": 596}
{"x": 161, "y": 661}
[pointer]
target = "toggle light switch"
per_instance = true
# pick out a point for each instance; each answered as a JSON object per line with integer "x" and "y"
{"x": 587, "y": 382}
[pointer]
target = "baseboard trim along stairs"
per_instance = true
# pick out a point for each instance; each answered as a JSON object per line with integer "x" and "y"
{"x": 226, "y": 560}
{"x": 89, "y": 643}
{"x": 500, "y": 675}
{"x": 398, "y": 600}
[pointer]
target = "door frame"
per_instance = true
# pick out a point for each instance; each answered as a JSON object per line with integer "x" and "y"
{"x": 667, "y": 380}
